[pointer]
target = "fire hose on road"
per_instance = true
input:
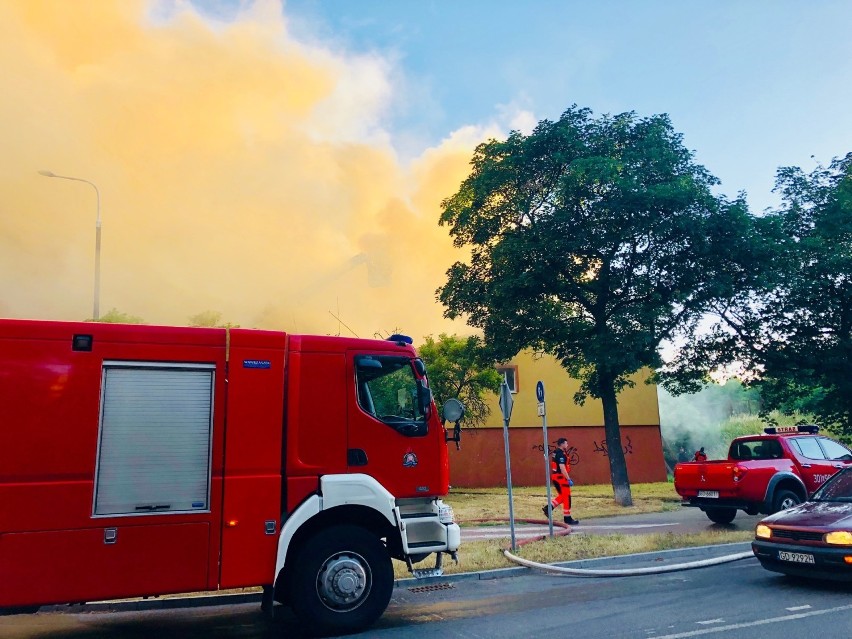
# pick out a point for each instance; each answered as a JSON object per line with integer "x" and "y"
{"x": 625, "y": 572}
{"x": 622, "y": 572}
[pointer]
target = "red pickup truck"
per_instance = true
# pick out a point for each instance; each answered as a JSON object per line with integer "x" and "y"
{"x": 762, "y": 474}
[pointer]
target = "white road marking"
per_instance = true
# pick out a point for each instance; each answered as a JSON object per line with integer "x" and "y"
{"x": 795, "y": 608}
{"x": 709, "y": 621}
{"x": 759, "y": 622}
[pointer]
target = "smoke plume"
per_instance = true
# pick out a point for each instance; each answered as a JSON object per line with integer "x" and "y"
{"x": 239, "y": 171}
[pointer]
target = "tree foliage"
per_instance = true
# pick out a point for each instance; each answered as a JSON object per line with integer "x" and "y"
{"x": 808, "y": 365}
{"x": 592, "y": 239}
{"x": 460, "y": 367}
{"x": 210, "y": 319}
{"x": 114, "y": 316}
{"x": 793, "y": 330}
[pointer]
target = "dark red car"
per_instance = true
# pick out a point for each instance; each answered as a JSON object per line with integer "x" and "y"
{"x": 813, "y": 539}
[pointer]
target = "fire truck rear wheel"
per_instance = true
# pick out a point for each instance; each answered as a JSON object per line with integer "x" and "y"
{"x": 342, "y": 580}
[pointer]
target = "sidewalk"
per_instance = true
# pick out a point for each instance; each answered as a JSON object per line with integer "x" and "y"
{"x": 681, "y": 521}
{"x": 527, "y": 531}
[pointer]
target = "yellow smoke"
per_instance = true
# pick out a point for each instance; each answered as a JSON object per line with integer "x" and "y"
{"x": 239, "y": 171}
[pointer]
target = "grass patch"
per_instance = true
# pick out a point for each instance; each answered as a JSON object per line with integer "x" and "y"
{"x": 591, "y": 546}
{"x": 471, "y": 504}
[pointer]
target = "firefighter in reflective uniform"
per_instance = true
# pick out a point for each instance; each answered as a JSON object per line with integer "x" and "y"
{"x": 559, "y": 469}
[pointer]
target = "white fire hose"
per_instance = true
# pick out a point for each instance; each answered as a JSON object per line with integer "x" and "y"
{"x": 625, "y": 572}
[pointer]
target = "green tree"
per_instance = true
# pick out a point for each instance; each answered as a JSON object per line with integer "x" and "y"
{"x": 210, "y": 319}
{"x": 114, "y": 316}
{"x": 808, "y": 320}
{"x": 795, "y": 331}
{"x": 592, "y": 239}
{"x": 460, "y": 367}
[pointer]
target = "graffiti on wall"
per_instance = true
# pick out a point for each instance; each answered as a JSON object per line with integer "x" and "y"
{"x": 573, "y": 453}
{"x": 601, "y": 448}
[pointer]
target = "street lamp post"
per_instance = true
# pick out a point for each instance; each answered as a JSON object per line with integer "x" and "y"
{"x": 96, "y": 311}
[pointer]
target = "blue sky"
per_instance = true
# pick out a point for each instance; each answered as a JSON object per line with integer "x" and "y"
{"x": 751, "y": 85}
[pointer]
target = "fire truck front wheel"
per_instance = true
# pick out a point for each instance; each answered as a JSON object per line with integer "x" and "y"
{"x": 341, "y": 580}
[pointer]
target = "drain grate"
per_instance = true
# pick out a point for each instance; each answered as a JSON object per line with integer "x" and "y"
{"x": 432, "y": 588}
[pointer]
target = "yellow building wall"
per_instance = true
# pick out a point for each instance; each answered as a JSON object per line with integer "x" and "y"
{"x": 636, "y": 405}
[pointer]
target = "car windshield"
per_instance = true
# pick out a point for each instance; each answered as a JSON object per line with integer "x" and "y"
{"x": 838, "y": 488}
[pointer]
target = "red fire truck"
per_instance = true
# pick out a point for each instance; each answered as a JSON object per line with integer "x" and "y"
{"x": 144, "y": 460}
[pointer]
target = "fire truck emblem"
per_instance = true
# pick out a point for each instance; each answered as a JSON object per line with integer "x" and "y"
{"x": 409, "y": 460}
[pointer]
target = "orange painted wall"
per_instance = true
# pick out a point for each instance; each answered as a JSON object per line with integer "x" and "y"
{"x": 481, "y": 462}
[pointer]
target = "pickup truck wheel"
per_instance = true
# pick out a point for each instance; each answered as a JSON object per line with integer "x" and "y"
{"x": 785, "y": 499}
{"x": 341, "y": 581}
{"x": 721, "y": 515}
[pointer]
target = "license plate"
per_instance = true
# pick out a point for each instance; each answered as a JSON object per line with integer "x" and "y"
{"x": 796, "y": 557}
{"x": 709, "y": 493}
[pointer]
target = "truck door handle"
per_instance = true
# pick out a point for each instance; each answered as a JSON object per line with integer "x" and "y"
{"x": 806, "y": 465}
{"x": 838, "y": 465}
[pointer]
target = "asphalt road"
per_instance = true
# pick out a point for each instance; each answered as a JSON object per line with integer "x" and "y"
{"x": 729, "y": 601}
{"x": 734, "y": 600}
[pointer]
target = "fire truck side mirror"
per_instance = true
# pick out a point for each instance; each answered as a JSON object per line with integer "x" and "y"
{"x": 454, "y": 411}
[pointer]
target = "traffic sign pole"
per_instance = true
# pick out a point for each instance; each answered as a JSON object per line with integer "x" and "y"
{"x": 506, "y": 403}
{"x": 539, "y": 393}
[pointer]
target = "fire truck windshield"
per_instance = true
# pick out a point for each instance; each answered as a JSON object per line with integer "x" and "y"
{"x": 388, "y": 390}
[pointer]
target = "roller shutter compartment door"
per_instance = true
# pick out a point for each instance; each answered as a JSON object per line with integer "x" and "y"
{"x": 155, "y": 438}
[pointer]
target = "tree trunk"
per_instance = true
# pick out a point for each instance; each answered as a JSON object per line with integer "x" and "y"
{"x": 617, "y": 464}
